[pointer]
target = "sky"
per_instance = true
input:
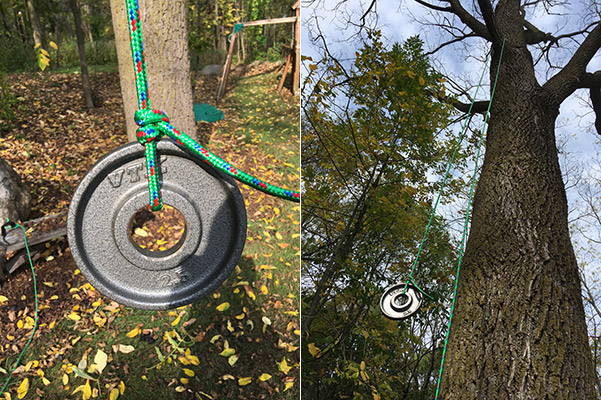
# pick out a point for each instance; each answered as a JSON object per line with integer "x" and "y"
{"x": 396, "y": 19}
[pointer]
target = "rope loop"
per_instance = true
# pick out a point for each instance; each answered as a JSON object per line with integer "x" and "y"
{"x": 148, "y": 117}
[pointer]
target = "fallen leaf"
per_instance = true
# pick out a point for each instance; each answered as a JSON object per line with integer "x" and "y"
{"x": 244, "y": 381}
{"x": 100, "y": 359}
{"x": 125, "y": 348}
{"x": 23, "y": 388}
{"x": 223, "y": 306}
{"x": 264, "y": 377}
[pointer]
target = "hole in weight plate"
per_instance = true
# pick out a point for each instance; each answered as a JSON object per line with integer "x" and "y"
{"x": 159, "y": 233}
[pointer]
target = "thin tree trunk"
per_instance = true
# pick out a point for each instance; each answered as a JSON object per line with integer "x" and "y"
{"x": 167, "y": 62}
{"x": 36, "y": 27}
{"x": 81, "y": 47}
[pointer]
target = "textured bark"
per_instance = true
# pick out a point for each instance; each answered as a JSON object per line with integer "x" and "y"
{"x": 81, "y": 48}
{"x": 519, "y": 328}
{"x": 165, "y": 35}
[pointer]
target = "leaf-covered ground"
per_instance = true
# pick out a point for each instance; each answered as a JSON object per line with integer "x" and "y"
{"x": 240, "y": 342}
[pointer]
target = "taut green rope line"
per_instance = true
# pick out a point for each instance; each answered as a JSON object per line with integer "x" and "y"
{"x": 467, "y": 217}
{"x": 410, "y": 279}
{"x": 35, "y": 291}
{"x": 154, "y": 124}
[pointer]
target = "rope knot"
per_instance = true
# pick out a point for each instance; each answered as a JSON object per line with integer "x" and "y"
{"x": 148, "y": 134}
{"x": 149, "y": 117}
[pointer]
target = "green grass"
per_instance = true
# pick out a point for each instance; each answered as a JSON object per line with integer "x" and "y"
{"x": 261, "y": 324}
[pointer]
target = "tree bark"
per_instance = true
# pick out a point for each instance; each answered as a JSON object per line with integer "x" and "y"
{"x": 36, "y": 27}
{"x": 167, "y": 61}
{"x": 81, "y": 48}
{"x": 519, "y": 327}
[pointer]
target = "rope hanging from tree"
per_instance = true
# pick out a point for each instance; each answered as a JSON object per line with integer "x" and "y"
{"x": 154, "y": 124}
{"x": 410, "y": 292}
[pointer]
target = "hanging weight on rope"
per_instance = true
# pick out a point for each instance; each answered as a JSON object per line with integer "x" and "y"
{"x": 400, "y": 301}
{"x": 100, "y": 221}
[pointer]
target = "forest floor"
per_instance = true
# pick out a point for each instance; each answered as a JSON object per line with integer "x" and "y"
{"x": 239, "y": 342}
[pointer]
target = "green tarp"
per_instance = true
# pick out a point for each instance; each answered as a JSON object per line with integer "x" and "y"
{"x": 207, "y": 112}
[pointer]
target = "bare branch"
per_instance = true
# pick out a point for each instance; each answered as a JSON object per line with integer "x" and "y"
{"x": 478, "y": 27}
{"x": 489, "y": 18}
{"x": 434, "y": 7}
{"x": 569, "y": 78}
{"x": 455, "y": 40}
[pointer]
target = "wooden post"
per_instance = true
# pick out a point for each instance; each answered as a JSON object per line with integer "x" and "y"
{"x": 226, "y": 68}
{"x": 296, "y": 67}
{"x": 285, "y": 72}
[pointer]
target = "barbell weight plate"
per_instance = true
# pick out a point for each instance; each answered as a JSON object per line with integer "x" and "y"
{"x": 400, "y": 301}
{"x": 99, "y": 222}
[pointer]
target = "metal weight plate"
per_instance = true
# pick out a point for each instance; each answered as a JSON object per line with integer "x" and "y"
{"x": 400, "y": 301}
{"x": 99, "y": 222}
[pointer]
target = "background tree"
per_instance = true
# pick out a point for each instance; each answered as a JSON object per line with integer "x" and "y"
{"x": 371, "y": 133}
{"x": 85, "y": 77}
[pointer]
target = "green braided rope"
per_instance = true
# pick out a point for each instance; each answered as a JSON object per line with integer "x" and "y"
{"x": 35, "y": 324}
{"x": 465, "y": 226}
{"x": 410, "y": 279}
{"x": 154, "y": 124}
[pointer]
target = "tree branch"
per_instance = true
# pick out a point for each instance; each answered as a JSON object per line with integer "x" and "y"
{"x": 489, "y": 18}
{"x": 563, "y": 84}
{"x": 478, "y": 27}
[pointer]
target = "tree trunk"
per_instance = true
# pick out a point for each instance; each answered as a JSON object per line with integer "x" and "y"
{"x": 36, "y": 27}
{"x": 519, "y": 329}
{"x": 81, "y": 47}
{"x": 165, "y": 35}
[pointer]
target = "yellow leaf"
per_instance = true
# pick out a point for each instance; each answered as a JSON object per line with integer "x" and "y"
{"x": 176, "y": 321}
{"x": 288, "y": 385}
{"x": 100, "y": 359}
{"x": 3, "y": 299}
{"x": 228, "y": 352}
{"x": 140, "y": 232}
{"x": 283, "y": 366}
{"x": 194, "y": 360}
{"x": 65, "y": 379}
{"x": 7, "y": 396}
{"x": 184, "y": 381}
{"x": 87, "y": 390}
{"x": 180, "y": 389}
{"x": 37, "y": 45}
{"x": 232, "y": 360}
{"x": 314, "y": 350}
{"x": 223, "y": 306}
{"x": 114, "y": 394}
{"x": 251, "y": 294}
{"x": 121, "y": 387}
{"x": 277, "y": 212}
{"x": 227, "y": 377}
{"x": 264, "y": 377}
{"x": 74, "y": 316}
{"x": 53, "y": 45}
{"x": 188, "y": 372}
{"x": 133, "y": 333}
{"x": 244, "y": 381}
{"x": 421, "y": 81}
{"x": 23, "y": 388}
{"x": 264, "y": 289}
{"x": 45, "y": 381}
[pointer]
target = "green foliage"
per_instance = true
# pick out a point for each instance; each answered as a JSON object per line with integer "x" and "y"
{"x": 371, "y": 136}
{"x": 7, "y": 100}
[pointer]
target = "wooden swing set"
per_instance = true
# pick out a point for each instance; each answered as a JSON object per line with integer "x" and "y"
{"x": 293, "y": 58}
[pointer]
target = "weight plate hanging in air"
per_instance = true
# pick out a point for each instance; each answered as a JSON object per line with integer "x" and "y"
{"x": 100, "y": 221}
{"x": 400, "y": 301}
